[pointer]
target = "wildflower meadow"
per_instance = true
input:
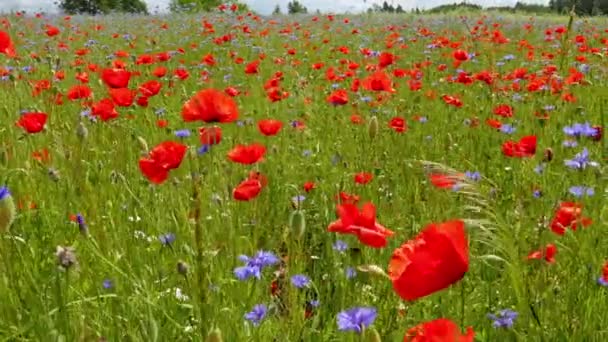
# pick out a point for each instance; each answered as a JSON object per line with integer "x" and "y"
{"x": 234, "y": 177}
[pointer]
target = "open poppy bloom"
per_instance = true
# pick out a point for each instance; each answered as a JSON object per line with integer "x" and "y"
{"x": 247, "y": 154}
{"x": 210, "y": 105}
{"x": 32, "y": 122}
{"x": 269, "y": 127}
{"x": 250, "y": 188}
{"x": 362, "y": 223}
{"x": 568, "y": 215}
{"x": 435, "y": 259}
{"x": 548, "y": 254}
{"x": 164, "y": 157}
{"x": 525, "y": 147}
{"x": 116, "y": 78}
{"x": 442, "y": 181}
{"x": 439, "y": 330}
{"x": 6, "y": 44}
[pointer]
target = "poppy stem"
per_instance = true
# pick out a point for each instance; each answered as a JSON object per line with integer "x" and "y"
{"x": 462, "y": 305}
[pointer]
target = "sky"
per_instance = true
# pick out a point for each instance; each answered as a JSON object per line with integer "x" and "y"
{"x": 266, "y": 6}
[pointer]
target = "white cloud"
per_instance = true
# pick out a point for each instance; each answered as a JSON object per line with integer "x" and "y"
{"x": 266, "y": 6}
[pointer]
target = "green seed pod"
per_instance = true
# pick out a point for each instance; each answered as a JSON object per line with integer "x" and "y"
{"x": 297, "y": 223}
{"x": 215, "y": 336}
{"x": 372, "y": 129}
{"x": 7, "y": 210}
{"x": 372, "y": 335}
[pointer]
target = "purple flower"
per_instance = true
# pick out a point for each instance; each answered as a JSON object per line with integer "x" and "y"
{"x": 182, "y": 133}
{"x": 257, "y": 314}
{"x": 507, "y": 128}
{"x": 314, "y": 303}
{"x": 300, "y": 281}
{"x": 570, "y": 143}
{"x": 340, "y": 246}
{"x": 297, "y": 200}
{"x": 356, "y": 319}
{"x": 580, "y": 130}
{"x": 504, "y": 319}
{"x": 254, "y": 265}
{"x": 580, "y": 191}
{"x": 350, "y": 272}
{"x": 537, "y": 193}
{"x": 202, "y": 150}
{"x": 4, "y": 193}
{"x": 540, "y": 168}
{"x": 166, "y": 239}
{"x": 475, "y": 176}
{"x": 602, "y": 281}
{"x": 580, "y": 161}
{"x": 107, "y": 284}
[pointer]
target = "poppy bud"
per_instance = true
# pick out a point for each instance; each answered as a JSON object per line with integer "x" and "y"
{"x": 297, "y": 223}
{"x": 81, "y": 131}
{"x": 143, "y": 144}
{"x": 372, "y": 129}
{"x": 372, "y": 335}
{"x": 66, "y": 257}
{"x": 215, "y": 336}
{"x": 548, "y": 154}
{"x": 599, "y": 130}
{"x": 182, "y": 268}
{"x": 7, "y": 209}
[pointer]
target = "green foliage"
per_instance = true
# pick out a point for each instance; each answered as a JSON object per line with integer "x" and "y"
{"x": 295, "y": 7}
{"x": 194, "y": 5}
{"x": 102, "y": 6}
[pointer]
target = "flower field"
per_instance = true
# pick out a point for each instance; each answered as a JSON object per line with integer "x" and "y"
{"x": 229, "y": 176}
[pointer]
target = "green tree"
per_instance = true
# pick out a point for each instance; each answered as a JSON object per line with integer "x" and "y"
{"x": 277, "y": 10}
{"x": 194, "y": 5}
{"x": 102, "y": 6}
{"x": 295, "y": 7}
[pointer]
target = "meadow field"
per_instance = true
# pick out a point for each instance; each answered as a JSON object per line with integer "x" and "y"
{"x": 232, "y": 177}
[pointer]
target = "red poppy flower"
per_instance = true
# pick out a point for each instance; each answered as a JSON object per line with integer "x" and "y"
{"x": 494, "y": 123}
{"x": 253, "y": 67}
{"x": 250, "y": 188}
{"x": 105, "y": 110}
{"x": 308, "y": 186}
{"x": 605, "y": 271}
{"x": 52, "y": 30}
{"x": 160, "y": 71}
{"x": 150, "y": 88}
{"x": 32, "y": 122}
{"x": 385, "y": 59}
{"x": 548, "y": 254}
{"x": 269, "y": 127}
{"x": 504, "y": 110}
{"x": 378, "y": 81}
{"x": 78, "y": 92}
{"x": 525, "y": 147}
{"x": 452, "y": 100}
{"x": 361, "y": 223}
{"x": 210, "y": 135}
{"x": 247, "y": 154}
{"x": 435, "y": 259}
{"x": 163, "y": 158}
{"x": 460, "y": 55}
{"x": 363, "y": 177}
{"x": 439, "y": 330}
{"x": 6, "y": 44}
{"x": 210, "y": 105}
{"x": 442, "y": 181}
{"x": 123, "y": 97}
{"x": 338, "y": 97}
{"x": 398, "y": 124}
{"x": 116, "y": 78}
{"x": 568, "y": 215}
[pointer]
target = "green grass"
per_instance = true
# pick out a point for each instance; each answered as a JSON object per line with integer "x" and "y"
{"x": 99, "y": 178}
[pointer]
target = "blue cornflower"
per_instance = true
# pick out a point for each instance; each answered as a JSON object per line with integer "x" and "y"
{"x": 340, "y": 246}
{"x": 203, "y": 149}
{"x": 350, "y": 272}
{"x": 256, "y": 315}
{"x": 580, "y": 161}
{"x": 540, "y": 168}
{"x": 570, "y": 143}
{"x": 537, "y": 193}
{"x": 82, "y": 226}
{"x": 300, "y": 281}
{"x": 107, "y": 284}
{"x": 166, "y": 239}
{"x": 182, "y": 133}
{"x": 254, "y": 265}
{"x": 602, "y": 281}
{"x": 297, "y": 200}
{"x": 580, "y": 130}
{"x": 507, "y": 128}
{"x": 580, "y": 191}
{"x": 504, "y": 319}
{"x": 4, "y": 192}
{"x": 475, "y": 176}
{"x": 356, "y": 319}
